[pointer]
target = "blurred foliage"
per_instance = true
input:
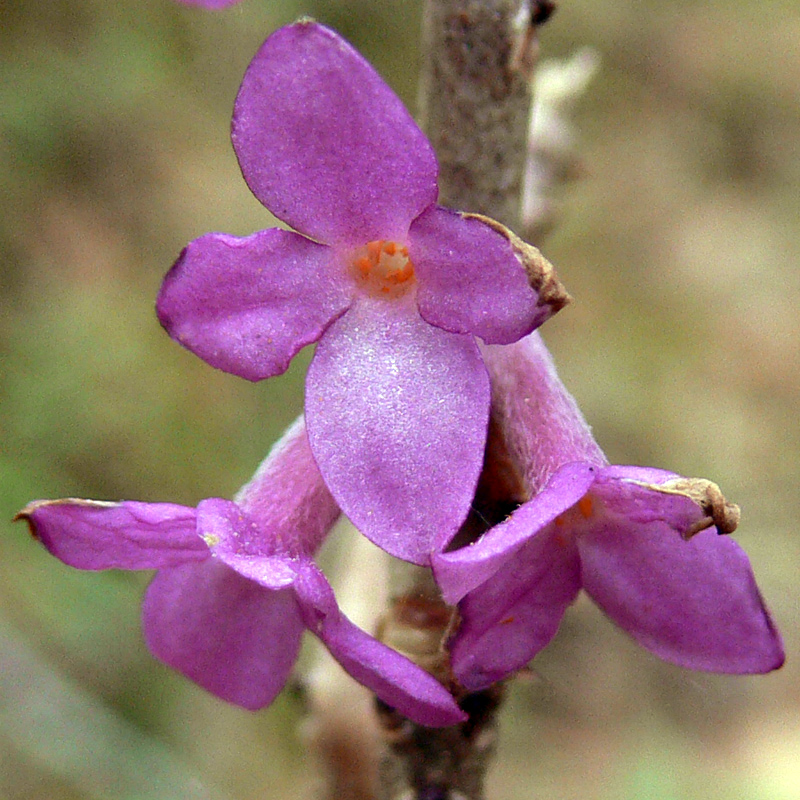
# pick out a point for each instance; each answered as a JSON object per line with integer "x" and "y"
{"x": 680, "y": 244}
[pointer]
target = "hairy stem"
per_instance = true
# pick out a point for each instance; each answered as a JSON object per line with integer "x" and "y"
{"x": 475, "y": 98}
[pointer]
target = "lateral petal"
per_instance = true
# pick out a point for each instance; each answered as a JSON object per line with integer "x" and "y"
{"x": 249, "y": 305}
{"x": 472, "y": 281}
{"x": 694, "y": 603}
{"x": 95, "y": 535}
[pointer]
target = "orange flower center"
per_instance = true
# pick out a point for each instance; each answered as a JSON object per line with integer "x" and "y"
{"x": 384, "y": 268}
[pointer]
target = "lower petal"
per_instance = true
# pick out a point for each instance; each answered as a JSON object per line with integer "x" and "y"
{"x": 397, "y": 412}
{"x": 392, "y": 677}
{"x": 694, "y": 603}
{"x": 224, "y": 632}
{"x": 506, "y": 621}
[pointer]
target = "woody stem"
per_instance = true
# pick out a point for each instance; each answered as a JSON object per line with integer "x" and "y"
{"x": 475, "y": 97}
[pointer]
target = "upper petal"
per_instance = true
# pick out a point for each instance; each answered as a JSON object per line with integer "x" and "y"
{"x": 325, "y": 144}
{"x": 397, "y": 412}
{"x": 248, "y": 305}
{"x": 236, "y": 639}
{"x": 471, "y": 280}
{"x": 694, "y": 603}
{"x": 506, "y": 621}
{"x": 459, "y": 571}
{"x": 706, "y": 504}
{"x": 89, "y": 534}
{"x": 392, "y": 677}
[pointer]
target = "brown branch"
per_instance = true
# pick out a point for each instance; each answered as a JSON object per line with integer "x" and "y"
{"x": 475, "y": 99}
{"x": 475, "y": 102}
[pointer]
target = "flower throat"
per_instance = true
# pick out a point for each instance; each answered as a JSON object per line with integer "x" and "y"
{"x": 384, "y": 269}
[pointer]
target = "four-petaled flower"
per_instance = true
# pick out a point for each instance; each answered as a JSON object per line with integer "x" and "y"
{"x": 236, "y": 584}
{"x": 642, "y": 542}
{"x": 395, "y": 289}
{"x": 392, "y": 287}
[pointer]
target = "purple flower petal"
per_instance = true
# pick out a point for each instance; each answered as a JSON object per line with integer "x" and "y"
{"x": 511, "y": 617}
{"x": 237, "y": 540}
{"x": 621, "y": 494}
{"x": 694, "y": 603}
{"x": 459, "y": 571}
{"x": 392, "y": 677}
{"x": 397, "y": 413}
{"x": 614, "y": 473}
{"x": 89, "y": 534}
{"x": 630, "y": 491}
{"x": 326, "y": 145}
{"x": 470, "y": 280}
{"x": 247, "y": 306}
{"x": 225, "y": 632}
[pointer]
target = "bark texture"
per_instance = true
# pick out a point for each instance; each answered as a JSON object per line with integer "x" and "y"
{"x": 475, "y": 98}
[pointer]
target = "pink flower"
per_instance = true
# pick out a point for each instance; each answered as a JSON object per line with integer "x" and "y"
{"x": 393, "y": 288}
{"x": 644, "y": 544}
{"x": 237, "y": 585}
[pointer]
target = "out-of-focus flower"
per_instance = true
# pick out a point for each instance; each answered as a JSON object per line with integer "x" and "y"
{"x": 392, "y": 287}
{"x": 644, "y": 544}
{"x": 553, "y": 159}
{"x": 236, "y": 584}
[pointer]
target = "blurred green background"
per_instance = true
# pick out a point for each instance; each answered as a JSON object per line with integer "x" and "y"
{"x": 680, "y": 244}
